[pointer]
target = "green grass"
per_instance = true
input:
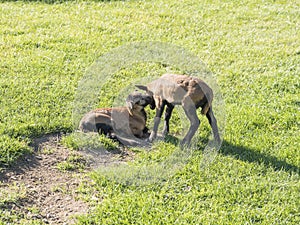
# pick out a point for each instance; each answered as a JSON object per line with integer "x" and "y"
{"x": 12, "y": 148}
{"x": 252, "y": 48}
{"x": 74, "y": 162}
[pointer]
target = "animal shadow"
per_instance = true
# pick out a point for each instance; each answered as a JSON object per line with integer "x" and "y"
{"x": 254, "y": 156}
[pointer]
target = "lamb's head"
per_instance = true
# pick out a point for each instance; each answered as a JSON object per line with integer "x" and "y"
{"x": 138, "y": 101}
{"x": 157, "y": 99}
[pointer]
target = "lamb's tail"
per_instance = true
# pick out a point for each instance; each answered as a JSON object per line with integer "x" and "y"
{"x": 205, "y": 108}
{"x": 209, "y": 99}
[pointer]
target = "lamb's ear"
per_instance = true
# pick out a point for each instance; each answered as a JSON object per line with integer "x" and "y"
{"x": 142, "y": 87}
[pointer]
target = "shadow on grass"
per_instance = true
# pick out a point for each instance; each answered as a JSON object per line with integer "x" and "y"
{"x": 171, "y": 139}
{"x": 20, "y": 166}
{"x": 245, "y": 154}
{"x": 27, "y": 161}
{"x": 253, "y": 156}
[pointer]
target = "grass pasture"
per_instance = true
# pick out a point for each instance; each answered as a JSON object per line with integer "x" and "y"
{"x": 251, "y": 47}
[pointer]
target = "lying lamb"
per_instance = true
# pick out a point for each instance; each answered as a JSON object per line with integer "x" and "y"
{"x": 122, "y": 123}
{"x": 191, "y": 93}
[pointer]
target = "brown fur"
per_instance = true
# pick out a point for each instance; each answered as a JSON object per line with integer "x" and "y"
{"x": 119, "y": 121}
{"x": 103, "y": 120}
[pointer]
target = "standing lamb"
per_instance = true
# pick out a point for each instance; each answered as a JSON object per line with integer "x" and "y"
{"x": 191, "y": 93}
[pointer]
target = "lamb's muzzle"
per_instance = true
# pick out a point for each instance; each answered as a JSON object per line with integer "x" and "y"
{"x": 189, "y": 92}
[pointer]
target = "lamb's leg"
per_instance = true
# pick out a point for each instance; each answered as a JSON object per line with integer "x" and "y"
{"x": 168, "y": 114}
{"x": 190, "y": 112}
{"x": 146, "y": 133}
{"x": 158, "y": 114}
{"x": 213, "y": 123}
{"x": 103, "y": 128}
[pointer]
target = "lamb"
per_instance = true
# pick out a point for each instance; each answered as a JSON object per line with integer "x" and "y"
{"x": 189, "y": 92}
{"x": 120, "y": 123}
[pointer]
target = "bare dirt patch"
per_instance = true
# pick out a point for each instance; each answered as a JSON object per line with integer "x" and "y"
{"x": 42, "y": 190}
{"x": 50, "y": 195}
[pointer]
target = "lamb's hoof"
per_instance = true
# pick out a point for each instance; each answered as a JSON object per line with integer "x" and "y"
{"x": 152, "y": 137}
{"x": 184, "y": 144}
{"x": 164, "y": 133}
{"x": 218, "y": 141}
